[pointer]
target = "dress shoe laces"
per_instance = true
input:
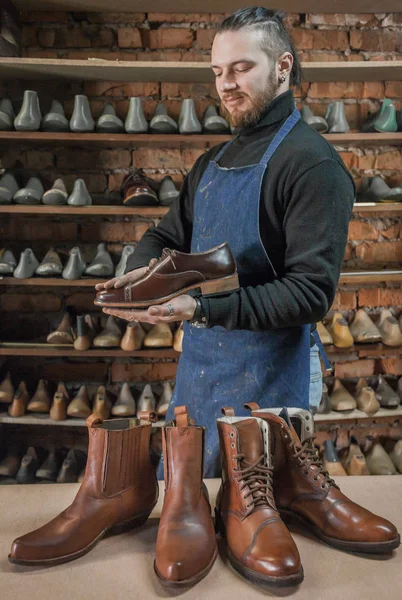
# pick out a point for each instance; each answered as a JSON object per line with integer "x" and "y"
{"x": 308, "y": 456}
{"x": 258, "y": 478}
{"x": 166, "y": 253}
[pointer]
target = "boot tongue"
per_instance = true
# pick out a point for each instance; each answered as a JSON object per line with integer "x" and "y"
{"x": 300, "y": 423}
{"x": 250, "y": 440}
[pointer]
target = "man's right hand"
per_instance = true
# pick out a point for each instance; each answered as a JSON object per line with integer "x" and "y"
{"x": 130, "y": 277}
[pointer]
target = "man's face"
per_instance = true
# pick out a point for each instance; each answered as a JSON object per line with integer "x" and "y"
{"x": 245, "y": 78}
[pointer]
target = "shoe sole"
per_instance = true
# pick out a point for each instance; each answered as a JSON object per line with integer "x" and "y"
{"x": 257, "y": 578}
{"x": 360, "y": 547}
{"x": 186, "y": 582}
{"x": 208, "y": 288}
{"x": 113, "y": 530}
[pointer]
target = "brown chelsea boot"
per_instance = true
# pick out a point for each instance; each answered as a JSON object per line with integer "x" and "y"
{"x": 304, "y": 492}
{"x": 118, "y": 493}
{"x": 186, "y": 544}
{"x": 259, "y": 545}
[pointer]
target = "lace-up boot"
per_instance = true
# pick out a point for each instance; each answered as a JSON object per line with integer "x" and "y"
{"x": 258, "y": 543}
{"x": 305, "y": 493}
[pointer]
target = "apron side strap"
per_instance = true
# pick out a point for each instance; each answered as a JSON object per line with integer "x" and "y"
{"x": 227, "y": 411}
{"x": 252, "y": 406}
{"x": 150, "y": 416}
{"x": 181, "y": 416}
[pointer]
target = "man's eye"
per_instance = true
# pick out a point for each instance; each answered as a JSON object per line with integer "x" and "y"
{"x": 243, "y": 70}
{"x": 218, "y": 74}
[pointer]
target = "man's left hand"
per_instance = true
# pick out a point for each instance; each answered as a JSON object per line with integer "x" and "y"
{"x": 183, "y": 310}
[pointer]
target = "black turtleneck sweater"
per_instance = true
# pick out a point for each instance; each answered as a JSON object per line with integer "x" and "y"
{"x": 306, "y": 203}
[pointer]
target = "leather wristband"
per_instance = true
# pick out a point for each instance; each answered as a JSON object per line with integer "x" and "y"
{"x": 199, "y": 318}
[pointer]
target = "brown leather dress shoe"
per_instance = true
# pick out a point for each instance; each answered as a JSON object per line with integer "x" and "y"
{"x": 177, "y": 273}
{"x": 58, "y": 410}
{"x": 137, "y": 190}
{"x": 118, "y": 493}
{"x": 259, "y": 545}
{"x": 186, "y": 544}
{"x": 304, "y": 492}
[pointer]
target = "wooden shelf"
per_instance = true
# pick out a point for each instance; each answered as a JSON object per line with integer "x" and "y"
{"x": 175, "y": 140}
{"x": 52, "y": 352}
{"x": 356, "y": 415}
{"x": 365, "y": 350}
{"x": 377, "y": 207}
{"x": 104, "y": 211}
{"x": 206, "y": 6}
{"x": 350, "y": 277}
{"x": 356, "y": 277}
{"x": 95, "y": 69}
{"x": 44, "y": 419}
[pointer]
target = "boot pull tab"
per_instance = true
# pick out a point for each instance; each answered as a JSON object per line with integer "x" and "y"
{"x": 181, "y": 416}
{"x": 227, "y": 411}
{"x": 150, "y": 416}
{"x": 252, "y": 406}
{"x": 93, "y": 421}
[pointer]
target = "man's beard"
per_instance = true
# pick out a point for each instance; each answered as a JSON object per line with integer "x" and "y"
{"x": 257, "y": 106}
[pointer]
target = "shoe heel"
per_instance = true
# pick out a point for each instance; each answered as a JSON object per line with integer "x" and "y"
{"x": 217, "y": 286}
{"x": 130, "y": 524}
{"x": 219, "y": 524}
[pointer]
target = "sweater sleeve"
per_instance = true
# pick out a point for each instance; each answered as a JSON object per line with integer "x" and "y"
{"x": 317, "y": 211}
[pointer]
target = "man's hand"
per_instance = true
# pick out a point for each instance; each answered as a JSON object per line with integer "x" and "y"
{"x": 118, "y": 282}
{"x": 183, "y": 310}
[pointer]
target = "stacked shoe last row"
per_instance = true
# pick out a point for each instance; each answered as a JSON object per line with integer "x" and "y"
{"x": 271, "y": 474}
{"x": 377, "y": 459}
{"x": 362, "y": 329}
{"x": 30, "y": 118}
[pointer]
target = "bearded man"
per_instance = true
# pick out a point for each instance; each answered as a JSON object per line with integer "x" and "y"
{"x": 280, "y": 195}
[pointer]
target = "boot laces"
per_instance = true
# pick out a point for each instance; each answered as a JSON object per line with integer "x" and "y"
{"x": 308, "y": 455}
{"x": 258, "y": 478}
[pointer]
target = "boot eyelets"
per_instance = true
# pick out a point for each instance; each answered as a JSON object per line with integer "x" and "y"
{"x": 232, "y": 446}
{"x": 231, "y": 434}
{"x": 323, "y": 486}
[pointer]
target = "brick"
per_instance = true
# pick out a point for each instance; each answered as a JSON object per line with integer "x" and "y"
{"x": 44, "y": 17}
{"x": 157, "y": 158}
{"x": 325, "y": 39}
{"x": 339, "y": 89}
{"x": 129, "y": 37}
{"x": 393, "y": 366}
{"x": 38, "y": 230}
{"x": 190, "y": 155}
{"x": 373, "y": 40}
{"x": 95, "y": 182}
{"x": 39, "y": 160}
{"x": 366, "y": 162}
{"x": 380, "y": 252}
{"x": 29, "y": 36}
{"x": 205, "y": 37}
{"x": 188, "y": 90}
{"x": 30, "y": 303}
{"x": 79, "y": 159}
{"x": 181, "y": 17}
{"x": 81, "y": 301}
{"x": 72, "y": 37}
{"x": 118, "y": 88}
{"x": 114, "y": 232}
{"x": 322, "y": 57}
{"x": 344, "y": 300}
{"x": 356, "y": 368}
{"x": 46, "y": 37}
{"x": 168, "y": 38}
{"x": 348, "y": 252}
{"x": 373, "y": 89}
{"x": 360, "y": 230}
{"x": 389, "y": 160}
{"x": 115, "y": 181}
{"x": 157, "y": 371}
{"x": 94, "y": 371}
{"x": 303, "y": 39}
{"x": 102, "y": 37}
{"x": 369, "y": 297}
{"x": 393, "y": 89}
{"x": 392, "y": 232}
{"x": 118, "y": 18}
{"x": 349, "y": 158}
{"x": 339, "y": 19}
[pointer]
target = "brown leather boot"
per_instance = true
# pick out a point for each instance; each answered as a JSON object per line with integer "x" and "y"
{"x": 186, "y": 544}
{"x": 118, "y": 493}
{"x": 259, "y": 545}
{"x": 58, "y": 410}
{"x": 305, "y": 492}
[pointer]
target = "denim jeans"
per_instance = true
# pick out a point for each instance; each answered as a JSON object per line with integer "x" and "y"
{"x": 315, "y": 390}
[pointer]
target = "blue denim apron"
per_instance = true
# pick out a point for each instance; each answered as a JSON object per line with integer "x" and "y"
{"x": 220, "y": 367}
